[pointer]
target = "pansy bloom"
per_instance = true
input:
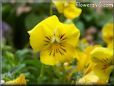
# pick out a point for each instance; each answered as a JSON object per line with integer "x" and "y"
{"x": 54, "y": 40}
{"x": 68, "y": 8}
{"x": 107, "y": 33}
{"x": 104, "y": 59}
{"x": 84, "y": 61}
{"x": 18, "y": 81}
{"x": 104, "y": 64}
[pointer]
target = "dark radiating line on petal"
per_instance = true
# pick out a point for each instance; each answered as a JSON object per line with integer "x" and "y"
{"x": 46, "y": 41}
{"x": 63, "y": 49}
{"x": 45, "y": 44}
{"x": 47, "y": 37}
{"x": 60, "y": 52}
{"x": 106, "y": 60}
{"x": 62, "y": 45}
{"x": 50, "y": 53}
{"x": 104, "y": 67}
{"x": 54, "y": 52}
{"x": 62, "y": 36}
{"x": 57, "y": 50}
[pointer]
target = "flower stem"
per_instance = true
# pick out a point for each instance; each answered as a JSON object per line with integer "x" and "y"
{"x": 51, "y": 8}
{"x": 41, "y": 74}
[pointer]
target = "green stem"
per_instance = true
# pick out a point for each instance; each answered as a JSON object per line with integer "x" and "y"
{"x": 41, "y": 74}
{"x": 51, "y": 8}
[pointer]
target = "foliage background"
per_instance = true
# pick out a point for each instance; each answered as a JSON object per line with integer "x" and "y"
{"x": 17, "y": 55}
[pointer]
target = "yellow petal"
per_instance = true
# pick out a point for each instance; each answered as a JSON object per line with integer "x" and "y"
{"x": 89, "y": 48}
{"x": 59, "y": 5}
{"x": 71, "y": 32}
{"x": 107, "y": 32}
{"x": 103, "y": 72}
{"x": 68, "y": 8}
{"x": 38, "y": 33}
{"x": 89, "y": 79}
{"x": 89, "y": 68}
{"x": 52, "y": 56}
{"x": 19, "y": 81}
{"x": 102, "y": 55}
{"x": 94, "y": 78}
{"x": 82, "y": 60}
{"x": 101, "y": 68}
{"x": 111, "y": 45}
{"x": 47, "y": 59}
{"x": 71, "y": 11}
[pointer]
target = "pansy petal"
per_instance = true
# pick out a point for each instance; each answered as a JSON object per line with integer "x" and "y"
{"x": 41, "y": 30}
{"x": 47, "y": 59}
{"x": 82, "y": 59}
{"x": 102, "y": 55}
{"x": 111, "y": 45}
{"x": 54, "y": 56}
{"x": 70, "y": 32}
{"x": 71, "y": 11}
{"x": 107, "y": 32}
{"x": 59, "y": 5}
{"x": 69, "y": 53}
{"x": 103, "y": 72}
{"x": 89, "y": 79}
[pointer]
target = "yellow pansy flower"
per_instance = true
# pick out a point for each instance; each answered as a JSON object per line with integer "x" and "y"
{"x": 104, "y": 63}
{"x": 107, "y": 33}
{"x": 68, "y": 8}
{"x": 18, "y": 81}
{"x": 104, "y": 60}
{"x": 84, "y": 61}
{"x": 92, "y": 78}
{"x": 54, "y": 40}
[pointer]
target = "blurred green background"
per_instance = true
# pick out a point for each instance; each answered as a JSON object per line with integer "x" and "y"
{"x": 17, "y": 55}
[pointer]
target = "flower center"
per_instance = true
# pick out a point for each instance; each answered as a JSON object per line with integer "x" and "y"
{"x": 56, "y": 44}
{"x": 55, "y": 40}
